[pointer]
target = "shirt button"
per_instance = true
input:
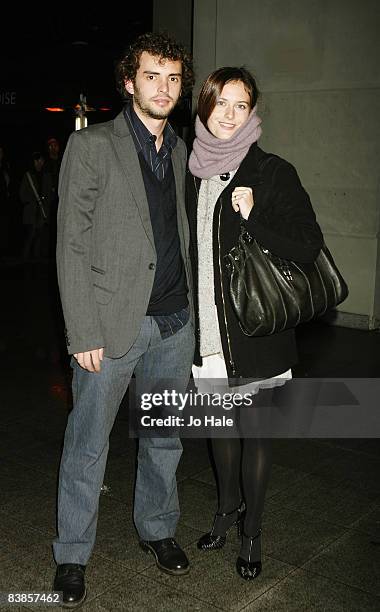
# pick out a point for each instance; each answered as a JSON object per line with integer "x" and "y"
{"x": 152, "y": 266}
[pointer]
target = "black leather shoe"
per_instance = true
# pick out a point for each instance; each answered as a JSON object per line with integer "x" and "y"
{"x": 222, "y": 522}
{"x": 69, "y": 579}
{"x": 248, "y": 564}
{"x": 170, "y": 558}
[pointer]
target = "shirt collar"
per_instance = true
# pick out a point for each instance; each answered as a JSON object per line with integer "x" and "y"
{"x": 142, "y": 135}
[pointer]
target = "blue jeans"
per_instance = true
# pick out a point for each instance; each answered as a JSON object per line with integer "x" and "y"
{"x": 97, "y": 398}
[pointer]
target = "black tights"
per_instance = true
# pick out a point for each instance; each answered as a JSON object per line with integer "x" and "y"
{"x": 250, "y": 458}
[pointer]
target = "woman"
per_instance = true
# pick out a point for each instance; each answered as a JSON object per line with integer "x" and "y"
{"x": 231, "y": 180}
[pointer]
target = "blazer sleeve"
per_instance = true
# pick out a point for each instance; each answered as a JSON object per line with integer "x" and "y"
{"x": 78, "y": 190}
{"x": 286, "y": 224}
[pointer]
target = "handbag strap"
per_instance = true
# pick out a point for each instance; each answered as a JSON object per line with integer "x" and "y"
{"x": 36, "y": 195}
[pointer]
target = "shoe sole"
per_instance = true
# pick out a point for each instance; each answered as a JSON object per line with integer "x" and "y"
{"x": 150, "y": 551}
{"x": 76, "y": 604}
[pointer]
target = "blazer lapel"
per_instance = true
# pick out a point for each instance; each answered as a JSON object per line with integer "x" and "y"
{"x": 126, "y": 153}
{"x": 179, "y": 171}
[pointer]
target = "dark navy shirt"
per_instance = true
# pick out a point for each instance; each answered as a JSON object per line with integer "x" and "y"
{"x": 145, "y": 142}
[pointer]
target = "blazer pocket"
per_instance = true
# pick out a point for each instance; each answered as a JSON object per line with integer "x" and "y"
{"x": 97, "y": 270}
{"x": 105, "y": 283}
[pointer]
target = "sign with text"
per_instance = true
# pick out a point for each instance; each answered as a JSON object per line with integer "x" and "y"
{"x": 7, "y": 98}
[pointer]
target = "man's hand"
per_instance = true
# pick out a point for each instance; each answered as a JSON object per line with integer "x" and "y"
{"x": 90, "y": 360}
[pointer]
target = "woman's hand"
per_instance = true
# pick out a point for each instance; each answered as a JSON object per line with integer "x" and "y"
{"x": 242, "y": 200}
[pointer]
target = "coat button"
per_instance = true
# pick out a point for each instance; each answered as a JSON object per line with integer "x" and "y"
{"x": 152, "y": 266}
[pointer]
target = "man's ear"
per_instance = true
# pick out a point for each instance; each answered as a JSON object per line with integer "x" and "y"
{"x": 129, "y": 86}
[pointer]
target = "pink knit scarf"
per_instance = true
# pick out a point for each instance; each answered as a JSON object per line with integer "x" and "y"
{"x": 212, "y": 155}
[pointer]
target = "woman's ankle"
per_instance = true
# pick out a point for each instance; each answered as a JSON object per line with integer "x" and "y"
{"x": 251, "y": 547}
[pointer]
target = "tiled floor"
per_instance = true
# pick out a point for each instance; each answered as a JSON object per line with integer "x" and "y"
{"x": 322, "y": 514}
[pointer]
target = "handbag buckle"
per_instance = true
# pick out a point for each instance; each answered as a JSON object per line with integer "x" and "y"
{"x": 286, "y": 271}
{"x": 247, "y": 237}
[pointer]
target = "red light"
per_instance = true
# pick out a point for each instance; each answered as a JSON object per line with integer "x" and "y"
{"x": 54, "y": 109}
{"x": 104, "y": 108}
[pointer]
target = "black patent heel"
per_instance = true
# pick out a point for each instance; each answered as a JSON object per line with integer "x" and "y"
{"x": 211, "y": 541}
{"x": 250, "y": 568}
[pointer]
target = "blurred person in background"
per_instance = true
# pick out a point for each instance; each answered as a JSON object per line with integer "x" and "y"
{"x": 52, "y": 167}
{"x": 36, "y": 194}
{"x": 53, "y": 160}
{"x": 5, "y": 202}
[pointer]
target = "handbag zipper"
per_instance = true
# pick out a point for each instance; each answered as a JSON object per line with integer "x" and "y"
{"x": 232, "y": 364}
{"x": 231, "y": 361}
{"x": 198, "y": 328}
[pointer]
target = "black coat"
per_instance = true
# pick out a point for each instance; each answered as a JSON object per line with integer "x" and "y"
{"x": 283, "y": 221}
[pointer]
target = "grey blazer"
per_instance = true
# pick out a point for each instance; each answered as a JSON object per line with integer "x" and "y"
{"x": 105, "y": 247}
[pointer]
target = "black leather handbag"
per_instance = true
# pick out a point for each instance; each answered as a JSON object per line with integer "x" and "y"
{"x": 270, "y": 294}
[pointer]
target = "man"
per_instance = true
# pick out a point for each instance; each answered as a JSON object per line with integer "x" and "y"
{"x": 54, "y": 148}
{"x": 125, "y": 284}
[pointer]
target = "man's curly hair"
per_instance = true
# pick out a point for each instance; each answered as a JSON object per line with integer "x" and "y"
{"x": 159, "y": 45}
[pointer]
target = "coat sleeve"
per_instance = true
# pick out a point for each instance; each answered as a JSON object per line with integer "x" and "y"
{"x": 78, "y": 190}
{"x": 286, "y": 223}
